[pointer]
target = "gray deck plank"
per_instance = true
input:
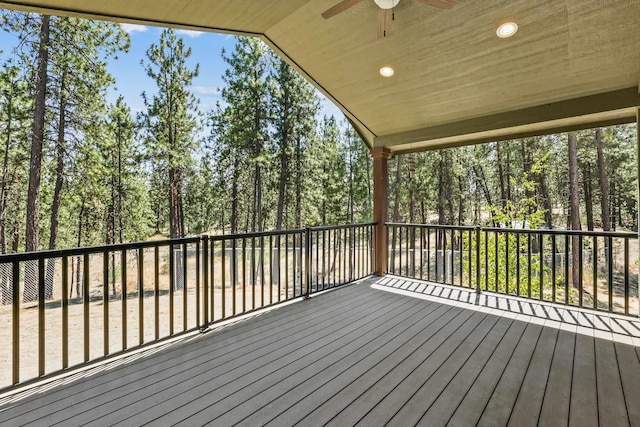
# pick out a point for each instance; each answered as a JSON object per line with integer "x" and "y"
{"x": 527, "y": 407}
{"x": 269, "y": 403}
{"x": 359, "y": 355}
{"x": 630, "y": 374}
{"x": 408, "y": 380}
{"x": 443, "y": 408}
{"x": 320, "y": 403}
{"x": 174, "y": 390}
{"x": 226, "y": 407}
{"x": 484, "y": 338}
{"x": 584, "y": 396}
{"x": 555, "y": 404}
{"x": 270, "y": 325}
{"x": 612, "y": 409}
{"x": 500, "y": 404}
{"x": 471, "y": 405}
{"x": 431, "y": 405}
{"x": 186, "y": 365}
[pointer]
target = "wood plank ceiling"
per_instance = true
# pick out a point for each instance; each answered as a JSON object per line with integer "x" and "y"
{"x": 572, "y": 64}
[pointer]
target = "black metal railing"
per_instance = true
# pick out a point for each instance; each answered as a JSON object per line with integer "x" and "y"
{"x": 67, "y": 308}
{"x": 596, "y": 270}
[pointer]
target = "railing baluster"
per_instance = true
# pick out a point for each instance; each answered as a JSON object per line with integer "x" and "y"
{"x": 123, "y": 267}
{"x": 553, "y": 267}
{"x": 244, "y": 275}
{"x": 65, "y": 312}
{"x": 262, "y": 278}
{"x": 469, "y": 250}
{"x": 421, "y": 253}
{"x": 566, "y": 270}
{"x": 518, "y": 264}
{"x": 198, "y": 284}
{"x": 156, "y": 291}
{"x": 206, "y": 259}
{"x": 15, "y": 320}
{"x": 580, "y": 263}
{"x": 41, "y": 319}
{"x": 286, "y": 267}
{"x": 595, "y": 272}
{"x": 212, "y": 290}
{"x": 223, "y": 279}
{"x": 185, "y": 299}
{"x": 234, "y": 276}
{"x": 140, "y": 296}
{"x": 172, "y": 272}
{"x": 271, "y": 270}
{"x": 85, "y": 299}
{"x": 105, "y": 302}
{"x": 496, "y": 253}
{"x": 506, "y": 263}
{"x": 429, "y": 255}
{"x": 486, "y": 260}
{"x": 610, "y": 270}
{"x": 253, "y": 273}
{"x": 541, "y": 265}
{"x": 529, "y": 264}
{"x": 626, "y": 275}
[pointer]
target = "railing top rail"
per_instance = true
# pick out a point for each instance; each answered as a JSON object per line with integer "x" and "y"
{"x": 237, "y": 236}
{"x": 618, "y": 234}
{"x": 339, "y": 227}
{"x": 439, "y": 226}
{"x": 56, "y": 253}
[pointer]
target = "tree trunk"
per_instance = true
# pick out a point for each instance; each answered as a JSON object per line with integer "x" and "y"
{"x": 604, "y": 183}
{"x": 5, "y": 178}
{"x": 588, "y": 195}
{"x": 32, "y": 233}
{"x": 546, "y": 200}
{"x": 574, "y": 203}
{"x": 501, "y": 176}
{"x": 526, "y": 165}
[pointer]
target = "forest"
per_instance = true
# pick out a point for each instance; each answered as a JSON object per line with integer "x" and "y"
{"x": 79, "y": 171}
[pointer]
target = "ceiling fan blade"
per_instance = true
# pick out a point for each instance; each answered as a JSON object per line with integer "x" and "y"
{"x": 442, "y": 4}
{"x": 339, "y": 8}
{"x": 385, "y": 17}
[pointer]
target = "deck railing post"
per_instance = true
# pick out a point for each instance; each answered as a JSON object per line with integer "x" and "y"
{"x": 478, "y": 259}
{"x": 307, "y": 241}
{"x": 205, "y": 280}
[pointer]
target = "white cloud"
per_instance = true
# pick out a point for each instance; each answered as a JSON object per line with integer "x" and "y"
{"x": 190, "y": 33}
{"x": 132, "y": 28}
{"x": 206, "y": 90}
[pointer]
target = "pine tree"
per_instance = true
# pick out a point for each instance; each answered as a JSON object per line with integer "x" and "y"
{"x": 171, "y": 120}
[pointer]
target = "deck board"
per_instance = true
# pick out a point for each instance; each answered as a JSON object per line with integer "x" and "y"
{"x": 612, "y": 409}
{"x": 366, "y": 355}
{"x": 555, "y": 405}
{"x": 584, "y": 395}
{"x": 527, "y": 407}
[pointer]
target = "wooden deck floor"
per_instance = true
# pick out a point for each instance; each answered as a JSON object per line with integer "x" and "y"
{"x": 368, "y": 354}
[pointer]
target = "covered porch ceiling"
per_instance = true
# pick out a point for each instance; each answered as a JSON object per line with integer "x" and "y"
{"x": 572, "y": 64}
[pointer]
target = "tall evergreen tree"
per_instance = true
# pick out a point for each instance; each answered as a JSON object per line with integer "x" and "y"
{"x": 171, "y": 120}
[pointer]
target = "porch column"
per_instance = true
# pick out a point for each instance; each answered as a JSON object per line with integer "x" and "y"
{"x": 380, "y": 206}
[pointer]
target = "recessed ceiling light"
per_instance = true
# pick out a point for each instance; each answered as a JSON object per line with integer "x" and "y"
{"x": 507, "y": 30}
{"x": 386, "y": 71}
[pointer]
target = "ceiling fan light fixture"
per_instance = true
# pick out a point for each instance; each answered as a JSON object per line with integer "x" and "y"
{"x": 507, "y": 30}
{"x": 387, "y": 71}
{"x": 387, "y": 4}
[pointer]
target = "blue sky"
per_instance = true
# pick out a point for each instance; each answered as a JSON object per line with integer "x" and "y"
{"x": 131, "y": 79}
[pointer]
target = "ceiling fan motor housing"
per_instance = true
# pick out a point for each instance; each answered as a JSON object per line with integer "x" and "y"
{"x": 387, "y": 4}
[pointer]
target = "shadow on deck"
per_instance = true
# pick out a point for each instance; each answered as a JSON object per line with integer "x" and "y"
{"x": 383, "y": 351}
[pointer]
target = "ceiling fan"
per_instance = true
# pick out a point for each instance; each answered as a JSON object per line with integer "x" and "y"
{"x": 385, "y": 14}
